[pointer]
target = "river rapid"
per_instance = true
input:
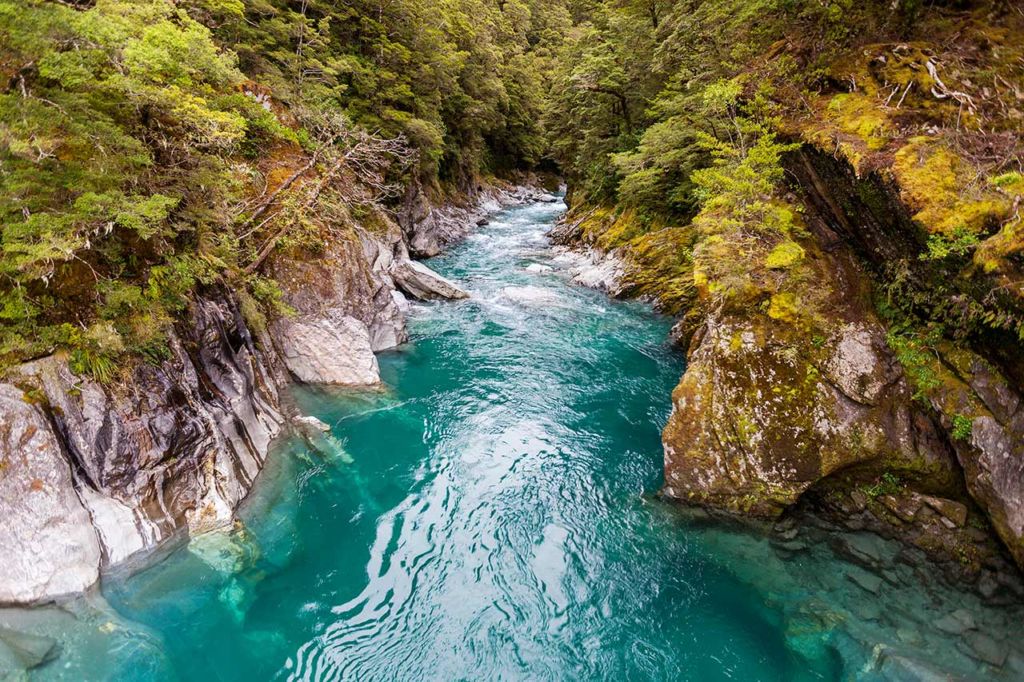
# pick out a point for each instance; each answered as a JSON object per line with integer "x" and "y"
{"x": 492, "y": 513}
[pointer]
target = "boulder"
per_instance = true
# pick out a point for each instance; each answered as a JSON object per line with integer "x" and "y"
{"x": 422, "y": 283}
{"x": 762, "y": 414}
{"x": 592, "y": 268}
{"x": 599, "y": 272}
{"x": 351, "y": 277}
{"x": 47, "y": 540}
{"x": 332, "y": 350}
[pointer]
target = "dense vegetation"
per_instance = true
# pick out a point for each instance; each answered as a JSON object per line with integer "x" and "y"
{"x": 142, "y": 141}
{"x": 677, "y": 125}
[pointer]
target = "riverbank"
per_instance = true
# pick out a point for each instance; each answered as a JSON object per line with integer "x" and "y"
{"x": 501, "y": 487}
{"x": 114, "y": 469}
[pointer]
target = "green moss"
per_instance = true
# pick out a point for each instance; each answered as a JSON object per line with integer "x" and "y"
{"x": 624, "y": 227}
{"x": 785, "y": 255}
{"x": 857, "y": 114}
{"x": 1010, "y": 182}
{"x": 938, "y": 184}
{"x": 785, "y": 307}
{"x": 659, "y": 266}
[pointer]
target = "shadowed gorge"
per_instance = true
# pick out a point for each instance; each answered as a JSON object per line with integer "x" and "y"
{"x": 491, "y": 511}
{"x": 445, "y": 339}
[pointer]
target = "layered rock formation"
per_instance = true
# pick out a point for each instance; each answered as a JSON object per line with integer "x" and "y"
{"x": 91, "y": 474}
{"x": 422, "y": 283}
{"x": 103, "y": 472}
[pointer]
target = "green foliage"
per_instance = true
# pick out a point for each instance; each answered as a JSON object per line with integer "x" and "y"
{"x": 115, "y": 128}
{"x": 463, "y": 81}
{"x": 962, "y": 427}
{"x": 915, "y": 352}
{"x": 130, "y": 131}
{"x": 886, "y": 484}
{"x": 959, "y": 243}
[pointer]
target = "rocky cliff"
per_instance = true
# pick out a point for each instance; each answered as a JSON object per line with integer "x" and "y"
{"x": 810, "y": 390}
{"x": 92, "y": 474}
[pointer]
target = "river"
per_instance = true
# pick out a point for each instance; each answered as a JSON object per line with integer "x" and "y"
{"x": 492, "y": 513}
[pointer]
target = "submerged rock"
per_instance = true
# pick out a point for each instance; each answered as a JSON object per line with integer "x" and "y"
{"x": 984, "y": 648}
{"x": 868, "y": 581}
{"x": 530, "y": 295}
{"x": 308, "y": 423}
{"x": 899, "y": 668}
{"x": 28, "y": 650}
{"x": 422, "y": 283}
{"x": 956, "y": 623}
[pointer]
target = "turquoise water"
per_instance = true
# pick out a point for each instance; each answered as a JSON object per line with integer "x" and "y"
{"x": 491, "y": 513}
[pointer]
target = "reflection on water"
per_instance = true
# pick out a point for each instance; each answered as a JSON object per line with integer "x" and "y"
{"x": 492, "y": 515}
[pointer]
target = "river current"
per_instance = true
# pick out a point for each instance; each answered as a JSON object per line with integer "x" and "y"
{"x": 492, "y": 513}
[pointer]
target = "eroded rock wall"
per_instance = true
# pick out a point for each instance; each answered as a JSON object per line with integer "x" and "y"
{"x": 771, "y": 407}
{"x": 764, "y": 412}
{"x": 92, "y": 475}
{"x": 126, "y": 466}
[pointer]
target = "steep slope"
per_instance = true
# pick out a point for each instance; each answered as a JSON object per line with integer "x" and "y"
{"x": 201, "y": 203}
{"x": 829, "y": 198}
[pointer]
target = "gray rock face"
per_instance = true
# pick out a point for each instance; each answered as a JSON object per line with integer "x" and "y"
{"x": 422, "y": 283}
{"x": 352, "y": 278}
{"x": 992, "y": 455}
{"x": 333, "y": 350}
{"x": 48, "y": 544}
{"x": 176, "y": 447}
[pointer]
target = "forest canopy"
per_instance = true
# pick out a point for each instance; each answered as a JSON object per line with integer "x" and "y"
{"x": 138, "y": 138}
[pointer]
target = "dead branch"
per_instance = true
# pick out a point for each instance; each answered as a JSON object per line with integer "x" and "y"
{"x": 941, "y": 91}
